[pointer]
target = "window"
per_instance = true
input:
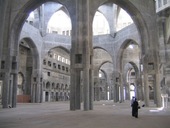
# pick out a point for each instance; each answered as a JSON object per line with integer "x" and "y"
{"x": 63, "y": 59}
{"x": 44, "y": 62}
{"x": 49, "y": 63}
{"x": 54, "y": 56}
{"x": 48, "y": 73}
{"x": 63, "y": 68}
{"x": 59, "y": 67}
{"x": 66, "y": 61}
{"x": 59, "y": 58}
{"x": 66, "y": 69}
{"x": 2, "y": 64}
{"x": 54, "y": 65}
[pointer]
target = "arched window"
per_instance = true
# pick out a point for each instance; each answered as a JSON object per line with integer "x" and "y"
{"x": 100, "y": 24}
{"x": 59, "y": 58}
{"x": 59, "y": 23}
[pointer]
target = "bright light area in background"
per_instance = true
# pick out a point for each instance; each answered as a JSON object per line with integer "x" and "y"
{"x": 100, "y": 75}
{"x": 164, "y": 104}
{"x": 59, "y": 23}
{"x": 100, "y": 24}
{"x": 131, "y": 46}
{"x": 31, "y": 15}
{"x": 123, "y": 20}
{"x": 132, "y": 91}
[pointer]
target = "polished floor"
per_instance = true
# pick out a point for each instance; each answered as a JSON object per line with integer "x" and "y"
{"x": 106, "y": 114}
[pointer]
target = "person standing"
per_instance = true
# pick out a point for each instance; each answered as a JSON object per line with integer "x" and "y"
{"x": 133, "y": 99}
{"x": 135, "y": 107}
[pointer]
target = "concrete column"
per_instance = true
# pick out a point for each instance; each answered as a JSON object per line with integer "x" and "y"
{"x": 146, "y": 90}
{"x": 140, "y": 91}
{"x": 33, "y": 93}
{"x": 157, "y": 91}
{"x": 112, "y": 93}
{"x": 81, "y": 53}
{"x": 10, "y": 90}
{"x": 78, "y": 90}
{"x": 116, "y": 93}
{"x": 4, "y": 50}
{"x": 86, "y": 40}
{"x": 142, "y": 87}
{"x": 91, "y": 89}
{"x": 37, "y": 83}
{"x": 121, "y": 90}
{"x": 37, "y": 92}
{"x": 49, "y": 96}
{"x": 40, "y": 89}
{"x": 14, "y": 92}
{"x": 86, "y": 88}
{"x": 5, "y": 91}
{"x": 72, "y": 89}
{"x": 97, "y": 89}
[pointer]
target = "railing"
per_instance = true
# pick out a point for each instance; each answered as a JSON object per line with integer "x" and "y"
{"x": 162, "y": 5}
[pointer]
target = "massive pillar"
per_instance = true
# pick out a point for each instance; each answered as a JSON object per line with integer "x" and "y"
{"x": 91, "y": 89}
{"x": 97, "y": 84}
{"x": 116, "y": 86}
{"x": 14, "y": 92}
{"x": 121, "y": 89}
{"x": 14, "y": 81}
{"x": 146, "y": 89}
{"x": 36, "y": 87}
{"x": 5, "y": 56}
{"x": 81, "y": 56}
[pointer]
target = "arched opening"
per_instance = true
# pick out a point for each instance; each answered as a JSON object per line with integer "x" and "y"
{"x": 59, "y": 23}
{"x": 28, "y": 63}
{"x": 100, "y": 24}
{"x": 20, "y": 18}
{"x": 103, "y": 69}
{"x": 123, "y": 20}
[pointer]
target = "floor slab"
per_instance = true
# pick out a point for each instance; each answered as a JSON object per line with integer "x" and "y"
{"x": 106, "y": 114}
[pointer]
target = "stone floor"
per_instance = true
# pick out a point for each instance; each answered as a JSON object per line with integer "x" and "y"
{"x": 106, "y": 114}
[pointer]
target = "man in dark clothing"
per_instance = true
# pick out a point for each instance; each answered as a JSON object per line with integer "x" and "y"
{"x": 135, "y": 107}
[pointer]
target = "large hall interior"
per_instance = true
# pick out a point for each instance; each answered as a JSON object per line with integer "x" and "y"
{"x": 82, "y": 54}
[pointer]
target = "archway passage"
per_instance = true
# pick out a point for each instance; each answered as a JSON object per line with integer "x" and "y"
{"x": 28, "y": 64}
{"x": 81, "y": 15}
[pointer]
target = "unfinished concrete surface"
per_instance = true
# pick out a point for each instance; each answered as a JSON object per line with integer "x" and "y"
{"x": 106, "y": 114}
